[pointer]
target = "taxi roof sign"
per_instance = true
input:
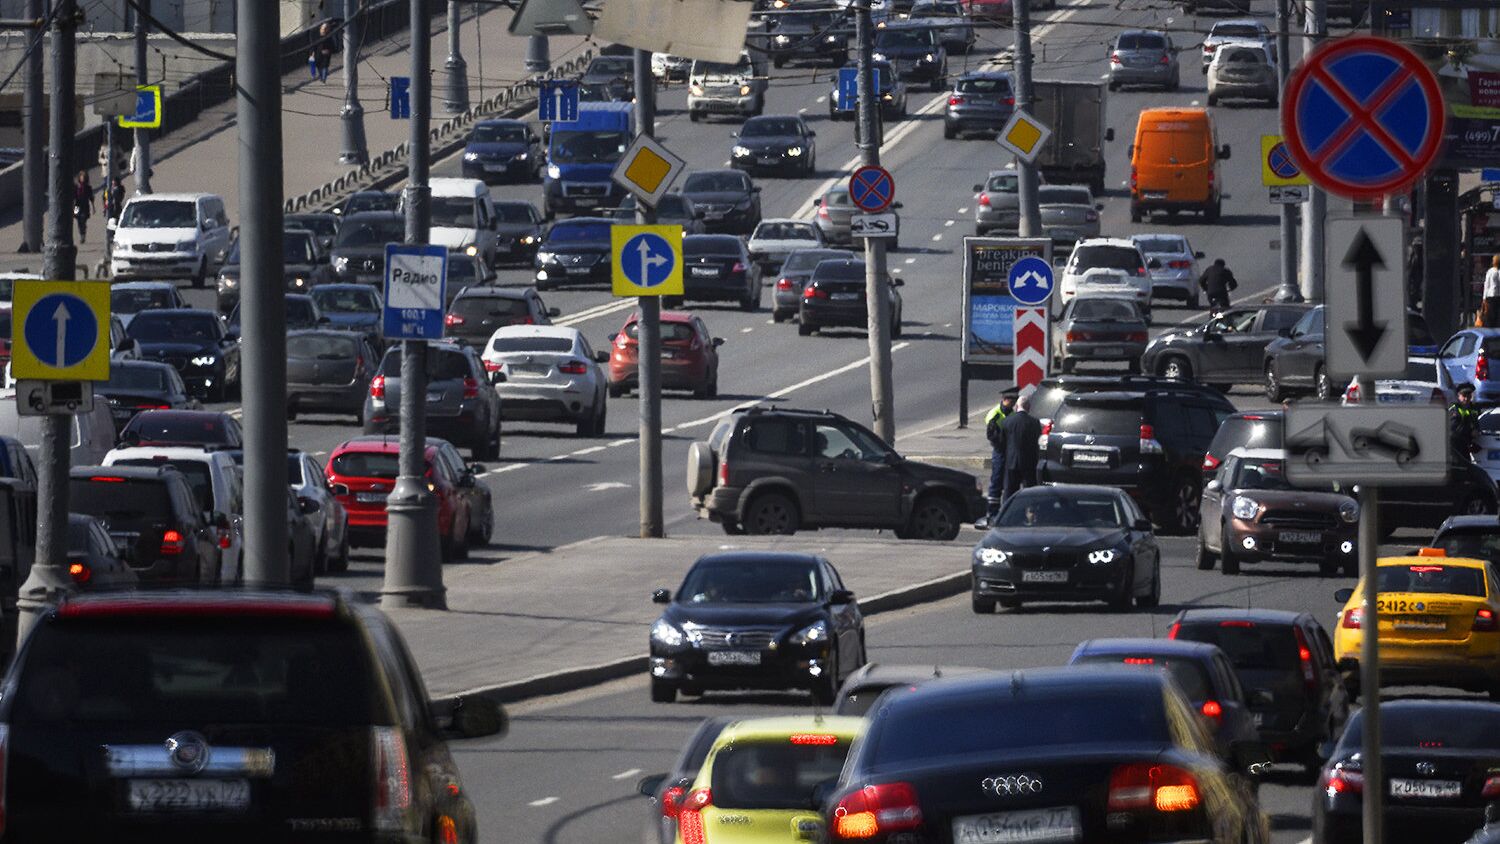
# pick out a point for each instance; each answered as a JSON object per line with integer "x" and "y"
{"x": 147, "y": 114}
{"x": 1024, "y": 136}
{"x": 60, "y": 330}
{"x": 647, "y": 169}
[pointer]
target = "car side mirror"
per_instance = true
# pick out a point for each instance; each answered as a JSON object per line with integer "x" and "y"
{"x": 1251, "y": 757}
{"x": 466, "y": 481}
{"x": 1224, "y": 152}
{"x": 469, "y": 717}
{"x": 1098, "y": 206}
{"x": 601, "y": 357}
{"x": 1198, "y": 255}
{"x": 476, "y": 468}
{"x": 661, "y": 596}
{"x": 323, "y": 320}
{"x": 1343, "y": 595}
{"x": 734, "y": 134}
{"x": 1109, "y": 134}
{"x": 755, "y": 189}
{"x": 554, "y": 312}
{"x": 840, "y": 596}
{"x": 307, "y": 506}
{"x": 1213, "y": 486}
{"x": 339, "y": 489}
{"x": 818, "y": 202}
{"x": 1130, "y": 151}
{"x": 497, "y": 377}
{"x": 648, "y": 785}
{"x": 718, "y": 341}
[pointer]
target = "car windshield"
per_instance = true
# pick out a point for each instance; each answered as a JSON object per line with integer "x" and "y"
{"x": 296, "y": 247}
{"x": 1141, "y": 41}
{"x": 462, "y": 272}
{"x": 575, "y": 147}
{"x": 984, "y": 85}
{"x": 126, "y": 505}
{"x": 366, "y": 464}
{"x": 596, "y": 233}
{"x": 371, "y": 201}
{"x": 321, "y": 347}
{"x": 671, "y": 205}
{"x": 319, "y": 224}
{"x": 1105, "y": 310}
{"x": 532, "y": 344}
{"x": 1428, "y": 578}
{"x": 132, "y": 301}
{"x": 714, "y": 183}
{"x": 1481, "y": 544}
{"x": 143, "y": 378}
{"x": 346, "y": 300}
{"x": 1101, "y": 256}
{"x": 1063, "y": 196}
{"x": 743, "y": 67}
{"x": 769, "y": 126}
{"x": 610, "y": 65}
{"x": 837, "y": 197}
{"x": 164, "y": 327}
{"x": 159, "y": 214}
{"x": 703, "y": 245}
{"x": 186, "y": 428}
{"x": 903, "y": 39}
{"x": 774, "y": 774}
{"x": 1260, "y": 474}
{"x": 198, "y": 668}
{"x": 514, "y": 212}
{"x": 785, "y": 231}
{"x": 442, "y": 365}
{"x": 453, "y": 211}
{"x": 1052, "y": 510}
{"x": 1188, "y": 674}
{"x": 498, "y": 133}
{"x": 748, "y": 581}
{"x": 196, "y": 471}
{"x": 1162, "y": 245}
{"x": 1250, "y": 645}
{"x": 807, "y": 259}
{"x": 371, "y": 232}
{"x": 1430, "y": 728}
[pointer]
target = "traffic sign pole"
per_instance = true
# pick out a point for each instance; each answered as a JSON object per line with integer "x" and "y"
{"x": 1026, "y": 182}
{"x": 648, "y": 331}
{"x": 142, "y": 77}
{"x": 877, "y": 294}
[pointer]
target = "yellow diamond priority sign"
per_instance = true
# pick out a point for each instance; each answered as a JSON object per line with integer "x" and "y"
{"x": 647, "y": 260}
{"x": 60, "y": 331}
{"x": 647, "y": 169}
{"x": 1024, "y": 136}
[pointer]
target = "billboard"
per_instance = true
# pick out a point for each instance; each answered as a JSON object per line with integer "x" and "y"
{"x": 1468, "y": 72}
{"x": 989, "y": 308}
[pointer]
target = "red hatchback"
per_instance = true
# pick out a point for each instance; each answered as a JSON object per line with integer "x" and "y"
{"x": 689, "y": 356}
{"x": 366, "y": 469}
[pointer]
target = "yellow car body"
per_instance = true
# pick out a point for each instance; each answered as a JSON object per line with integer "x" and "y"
{"x": 756, "y": 785}
{"x": 1439, "y": 624}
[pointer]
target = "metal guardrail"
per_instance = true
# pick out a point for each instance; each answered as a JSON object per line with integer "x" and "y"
{"x": 389, "y": 167}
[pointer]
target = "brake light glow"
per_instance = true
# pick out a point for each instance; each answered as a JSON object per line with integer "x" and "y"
{"x": 1491, "y": 788}
{"x": 877, "y": 809}
{"x": 723, "y": 473}
{"x": 1484, "y": 620}
{"x": 453, "y": 319}
{"x": 80, "y": 572}
{"x": 690, "y": 818}
{"x": 392, "y": 784}
{"x": 1134, "y": 181}
{"x": 1353, "y": 618}
{"x": 1174, "y": 630}
{"x": 1237, "y": 623}
{"x": 224, "y": 539}
{"x": 1210, "y": 463}
{"x": 1144, "y": 786}
{"x": 1212, "y": 711}
{"x": 1180, "y": 264}
{"x": 1482, "y": 369}
{"x": 1351, "y": 395}
{"x": 1346, "y": 777}
{"x": 493, "y": 366}
{"x": 1114, "y": 58}
{"x": 172, "y": 543}
{"x": 955, "y": 100}
{"x": 573, "y": 367}
{"x": 784, "y": 284}
{"x": 811, "y": 292}
{"x": 738, "y": 267}
{"x": 823, "y": 212}
{"x": 1304, "y": 654}
{"x": 1010, "y": 101}
{"x": 984, "y": 200}
{"x": 1148, "y": 443}
{"x": 671, "y": 801}
{"x": 1138, "y": 660}
{"x": 1424, "y": 569}
{"x": 471, "y": 388}
{"x": 377, "y": 387}
{"x": 821, "y": 739}
{"x": 1164, "y": 60}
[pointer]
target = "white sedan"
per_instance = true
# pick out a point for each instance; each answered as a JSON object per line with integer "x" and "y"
{"x": 773, "y": 240}
{"x": 552, "y": 374}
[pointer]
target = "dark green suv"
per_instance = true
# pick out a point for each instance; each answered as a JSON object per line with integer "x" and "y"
{"x": 772, "y": 470}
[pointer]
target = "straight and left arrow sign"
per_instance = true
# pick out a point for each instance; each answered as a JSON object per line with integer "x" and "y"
{"x": 1366, "y": 296}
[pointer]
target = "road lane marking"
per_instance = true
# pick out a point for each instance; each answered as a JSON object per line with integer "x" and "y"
{"x": 597, "y": 311}
{"x": 963, "y": 210}
{"x": 747, "y": 329}
{"x": 545, "y": 801}
{"x": 626, "y": 441}
{"x": 911, "y": 260}
{"x": 594, "y": 450}
{"x": 947, "y": 222}
{"x": 626, "y": 774}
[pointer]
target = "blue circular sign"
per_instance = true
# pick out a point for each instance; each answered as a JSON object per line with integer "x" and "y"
{"x": 1281, "y": 163}
{"x": 871, "y": 189}
{"x": 647, "y": 260}
{"x": 1030, "y": 281}
{"x": 61, "y": 330}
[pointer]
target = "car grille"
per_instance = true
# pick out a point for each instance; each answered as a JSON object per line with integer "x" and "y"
{"x": 1048, "y": 560}
{"x": 713, "y": 208}
{"x": 717, "y": 638}
{"x": 1298, "y": 519}
{"x": 154, "y": 247}
{"x": 585, "y": 190}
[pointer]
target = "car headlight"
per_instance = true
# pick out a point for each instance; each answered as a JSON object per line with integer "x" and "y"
{"x": 1244, "y": 508}
{"x": 793, "y": 152}
{"x": 471, "y": 156}
{"x": 879, "y": 57}
{"x": 299, "y": 281}
{"x": 1349, "y": 512}
{"x": 993, "y": 556}
{"x": 887, "y": 97}
{"x": 544, "y": 257}
{"x": 927, "y": 58}
{"x": 739, "y": 151}
{"x": 472, "y": 250}
{"x": 811, "y": 634}
{"x": 340, "y": 263}
{"x": 744, "y": 90}
{"x": 554, "y": 172}
{"x": 782, "y": 39}
{"x": 204, "y": 360}
{"x": 667, "y": 633}
{"x": 696, "y": 90}
{"x": 187, "y": 245}
{"x": 529, "y": 239}
{"x": 830, "y": 39}
{"x": 228, "y": 282}
{"x": 521, "y": 156}
{"x": 1103, "y": 556}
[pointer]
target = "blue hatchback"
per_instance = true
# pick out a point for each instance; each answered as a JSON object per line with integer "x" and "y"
{"x": 1472, "y": 355}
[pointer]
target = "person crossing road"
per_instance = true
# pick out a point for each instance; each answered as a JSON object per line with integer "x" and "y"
{"x": 1218, "y": 282}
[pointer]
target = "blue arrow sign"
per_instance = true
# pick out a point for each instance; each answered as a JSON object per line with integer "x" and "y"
{"x": 557, "y": 101}
{"x": 1030, "y": 281}
{"x": 646, "y": 260}
{"x": 145, "y": 107}
{"x": 1490, "y": 175}
{"x": 400, "y": 98}
{"x": 61, "y": 330}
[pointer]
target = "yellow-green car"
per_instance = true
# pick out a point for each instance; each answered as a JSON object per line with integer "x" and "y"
{"x": 756, "y": 786}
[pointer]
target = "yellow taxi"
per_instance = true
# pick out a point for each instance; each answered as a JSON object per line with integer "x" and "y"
{"x": 1439, "y": 623}
{"x": 756, "y": 785}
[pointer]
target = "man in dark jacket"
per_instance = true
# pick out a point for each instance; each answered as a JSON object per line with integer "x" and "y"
{"x": 1217, "y": 281}
{"x": 1019, "y": 435}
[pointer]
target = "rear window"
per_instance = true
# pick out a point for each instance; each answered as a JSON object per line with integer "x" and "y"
{"x": 186, "y": 670}
{"x": 1187, "y": 147}
{"x": 366, "y": 464}
{"x": 1137, "y": 41}
{"x": 1188, "y": 674}
{"x": 531, "y": 344}
{"x": 321, "y": 347}
{"x": 680, "y": 331}
{"x": 1249, "y": 646}
{"x": 775, "y": 774}
{"x": 199, "y": 478}
{"x": 724, "y": 246}
{"x": 1243, "y": 56}
{"x": 1248, "y": 432}
{"x": 483, "y": 306}
{"x": 984, "y": 86}
{"x": 1003, "y": 183}
{"x": 1160, "y": 245}
{"x": 126, "y": 504}
{"x": 129, "y": 301}
{"x": 1430, "y": 728}
{"x": 808, "y": 259}
{"x": 441, "y": 365}
{"x": 1432, "y": 579}
{"x": 1235, "y": 30}
{"x": 152, "y": 428}
{"x": 1058, "y": 195}
{"x": 1107, "y": 257}
{"x": 1481, "y": 545}
{"x": 126, "y": 377}
{"x": 1104, "y": 310}
{"x": 1083, "y": 418}
{"x": 839, "y": 270}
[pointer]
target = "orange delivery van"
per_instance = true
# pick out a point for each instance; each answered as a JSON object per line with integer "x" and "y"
{"x": 1174, "y": 163}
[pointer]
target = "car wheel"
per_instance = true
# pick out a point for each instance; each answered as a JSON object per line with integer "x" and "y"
{"x": 1176, "y": 368}
{"x": 981, "y": 606}
{"x": 896, "y": 328}
{"x": 616, "y": 390}
{"x": 1328, "y": 567}
{"x": 1323, "y": 385}
{"x": 1231, "y": 562}
{"x": 805, "y": 330}
{"x": 663, "y": 691}
{"x": 1133, "y": 366}
{"x": 1185, "y": 506}
{"x": 933, "y": 518}
{"x": 1205, "y": 557}
{"x": 1151, "y": 600}
{"x": 1193, "y": 302}
{"x": 713, "y": 384}
{"x": 1114, "y": 86}
{"x": 200, "y": 274}
{"x": 480, "y": 531}
{"x": 1212, "y": 214}
{"x": 601, "y": 420}
{"x": 1351, "y": 566}
{"x": 694, "y": 116}
{"x": 340, "y": 563}
{"x": 732, "y": 528}
{"x": 949, "y": 132}
{"x": 750, "y": 302}
{"x": 772, "y": 513}
{"x": 1274, "y": 393}
{"x": 1066, "y": 365}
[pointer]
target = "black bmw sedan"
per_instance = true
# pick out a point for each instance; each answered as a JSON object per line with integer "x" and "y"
{"x": 715, "y": 268}
{"x": 777, "y": 143}
{"x": 1068, "y": 543}
{"x": 575, "y": 251}
{"x": 756, "y": 620}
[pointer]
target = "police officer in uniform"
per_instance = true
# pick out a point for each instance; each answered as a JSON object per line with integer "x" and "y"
{"x": 992, "y": 432}
{"x": 1463, "y": 425}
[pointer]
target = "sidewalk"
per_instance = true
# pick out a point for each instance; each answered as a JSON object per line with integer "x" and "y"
{"x": 549, "y": 622}
{"x": 204, "y": 155}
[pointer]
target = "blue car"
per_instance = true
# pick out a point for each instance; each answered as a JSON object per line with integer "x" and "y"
{"x": 352, "y": 307}
{"x": 501, "y": 150}
{"x": 1472, "y": 355}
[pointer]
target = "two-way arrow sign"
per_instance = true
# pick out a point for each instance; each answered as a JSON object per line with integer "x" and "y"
{"x": 1366, "y": 296}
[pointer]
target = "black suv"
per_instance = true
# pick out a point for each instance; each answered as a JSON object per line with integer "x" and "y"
{"x": 251, "y": 716}
{"x": 476, "y": 312}
{"x": 153, "y": 517}
{"x": 1050, "y": 393}
{"x": 1225, "y": 348}
{"x": 1285, "y": 662}
{"x": 462, "y": 405}
{"x": 771, "y": 470}
{"x": 1149, "y": 442}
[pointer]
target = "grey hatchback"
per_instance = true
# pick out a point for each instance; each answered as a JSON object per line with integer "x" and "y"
{"x": 796, "y": 270}
{"x": 462, "y": 405}
{"x": 1143, "y": 57}
{"x": 980, "y": 102}
{"x": 328, "y": 371}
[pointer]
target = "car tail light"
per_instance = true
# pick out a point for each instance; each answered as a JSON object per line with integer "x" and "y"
{"x": 1484, "y": 620}
{"x": 1491, "y": 788}
{"x": 1209, "y": 48}
{"x": 1077, "y": 336}
{"x": 1138, "y": 660}
{"x": 1164, "y": 60}
{"x": 690, "y": 819}
{"x": 1346, "y": 777}
{"x": 4, "y": 772}
{"x": 1091, "y": 216}
{"x": 172, "y": 543}
{"x": 453, "y": 319}
{"x": 1213, "y": 712}
{"x": 1210, "y": 177}
{"x": 984, "y": 200}
{"x": 1353, "y": 618}
{"x": 814, "y": 292}
{"x": 493, "y": 366}
{"x": 622, "y": 341}
{"x": 1180, "y": 265}
{"x": 106, "y": 480}
{"x": 1135, "y": 337}
{"x": 471, "y": 388}
{"x": 671, "y": 801}
{"x": 823, "y": 212}
{"x": 392, "y": 778}
{"x": 1482, "y": 369}
{"x": 817, "y": 739}
{"x": 784, "y": 284}
{"x": 1148, "y": 444}
{"x": 1437, "y": 397}
{"x": 739, "y": 267}
{"x": 574, "y": 367}
{"x": 377, "y": 387}
{"x": 955, "y": 100}
{"x": 1010, "y": 101}
{"x": 1134, "y": 181}
{"x": 225, "y": 539}
{"x": 1114, "y": 58}
{"x": 1174, "y": 630}
{"x": 1164, "y": 788}
{"x": 723, "y": 472}
{"x": 80, "y": 572}
{"x": 1211, "y": 463}
{"x": 875, "y": 810}
{"x": 1304, "y": 655}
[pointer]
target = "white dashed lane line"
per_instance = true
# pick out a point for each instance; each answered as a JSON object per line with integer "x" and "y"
{"x": 624, "y": 775}
{"x": 545, "y": 801}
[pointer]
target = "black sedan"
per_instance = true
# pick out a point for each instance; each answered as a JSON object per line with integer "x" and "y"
{"x": 916, "y": 51}
{"x": 756, "y": 620}
{"x": 137, "y": 385}
{"x": 1438, "y": 758}
{"x": 576, "y": 251}
{"x": 716, "y": 267}
{"x": 303, "y": 267}
{"x": 368, "y": 200}
{"x": 1068, "y": 543}
{"x": 502, "y": 149}
{"x": 615, "y": 74}
{"x": 835, "y": 296}
{"x": 796, "y": 270}
{"x": 323, "y": 224}
{"x": 196, "y": 343}
{"x": 727, "y": 199}
{"x": 518, "y": 231}
{"x": 964, "y": 760}
{"x": 818, "y": 32}
{"x": 359, "y": 250}
{"x": 778, "y": 143}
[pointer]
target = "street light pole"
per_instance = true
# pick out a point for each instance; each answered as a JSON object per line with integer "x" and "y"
{"x": 262, "y": 295}
{"x": 538, "y": 57}
{"x": 1288, "y": 291}
{"x": 648, "y": 332}
{"x": 1026, "y": 178}
{"x": 33, "y": 167}
{"x": 49, "y": 580}
{"x": 352, "y": 116}
{"x": 456, "y": 97}
{"x": 877, "y": 287}
{"x": 1317, "y": 199}
{"x": 413, "y": 557}
{"x": 142, "y": 136}
{"x": 1373, "y": 807}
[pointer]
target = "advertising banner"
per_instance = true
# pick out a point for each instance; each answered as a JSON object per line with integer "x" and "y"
{"x": 1468, "y": 72}
{"x": 989, "y": 307}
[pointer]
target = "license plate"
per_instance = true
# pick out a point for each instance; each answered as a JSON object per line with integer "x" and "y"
{"x": 189, "y": 795}
{"x": 1044, "y": 577}
{"x": 1432, "y": 624}
{"x": 1109, "y": 351}
{"x": 529, "y": 370}
{"x": 586, "y": 203}
{"x": 1090, "y": 458}
{"x": 1156, "y": 194}
{"x": 1300, "y": 537}
{"x": 578, "y": 270}
{"x": 734, "y": 657}
{"x": 1030, "y": 826}
{"x": 496, "y": 168}
{"x": 371, "y": 497}
{"x": 1426, "y": 789}
{"x": 705, "y": 272}
{"x": 434, "y": 395}
{"x": 770, "y": 161}
{"x": 843, "y": 297}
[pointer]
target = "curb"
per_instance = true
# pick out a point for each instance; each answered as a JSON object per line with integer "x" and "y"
{"x": 573, "y": 679}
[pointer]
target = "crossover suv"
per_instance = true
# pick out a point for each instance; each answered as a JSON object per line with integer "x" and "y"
{"x": 774, "y": 471}
{"x": 1224, "y": 348}
{"x": 154, "y": 517}
{"x": 462, "y": 406}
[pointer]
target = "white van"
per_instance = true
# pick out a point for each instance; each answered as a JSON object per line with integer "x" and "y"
{"x": 169, "y": 235}
{"x": 463, "y": 216}
{"x": 93, "y": 432}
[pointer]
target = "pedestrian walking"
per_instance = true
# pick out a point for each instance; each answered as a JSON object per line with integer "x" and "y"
{"x": 1490, "y": 308}
{"x": 992, "y": 422}
{"x": 1463, "y": 425}
{"x": 83, "y": 203}
{"x": 1218, "y": 281}
{"x": 114, "y": 200}
{"x": 1019, "y": 433}
{"x": 321, "y": 57}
